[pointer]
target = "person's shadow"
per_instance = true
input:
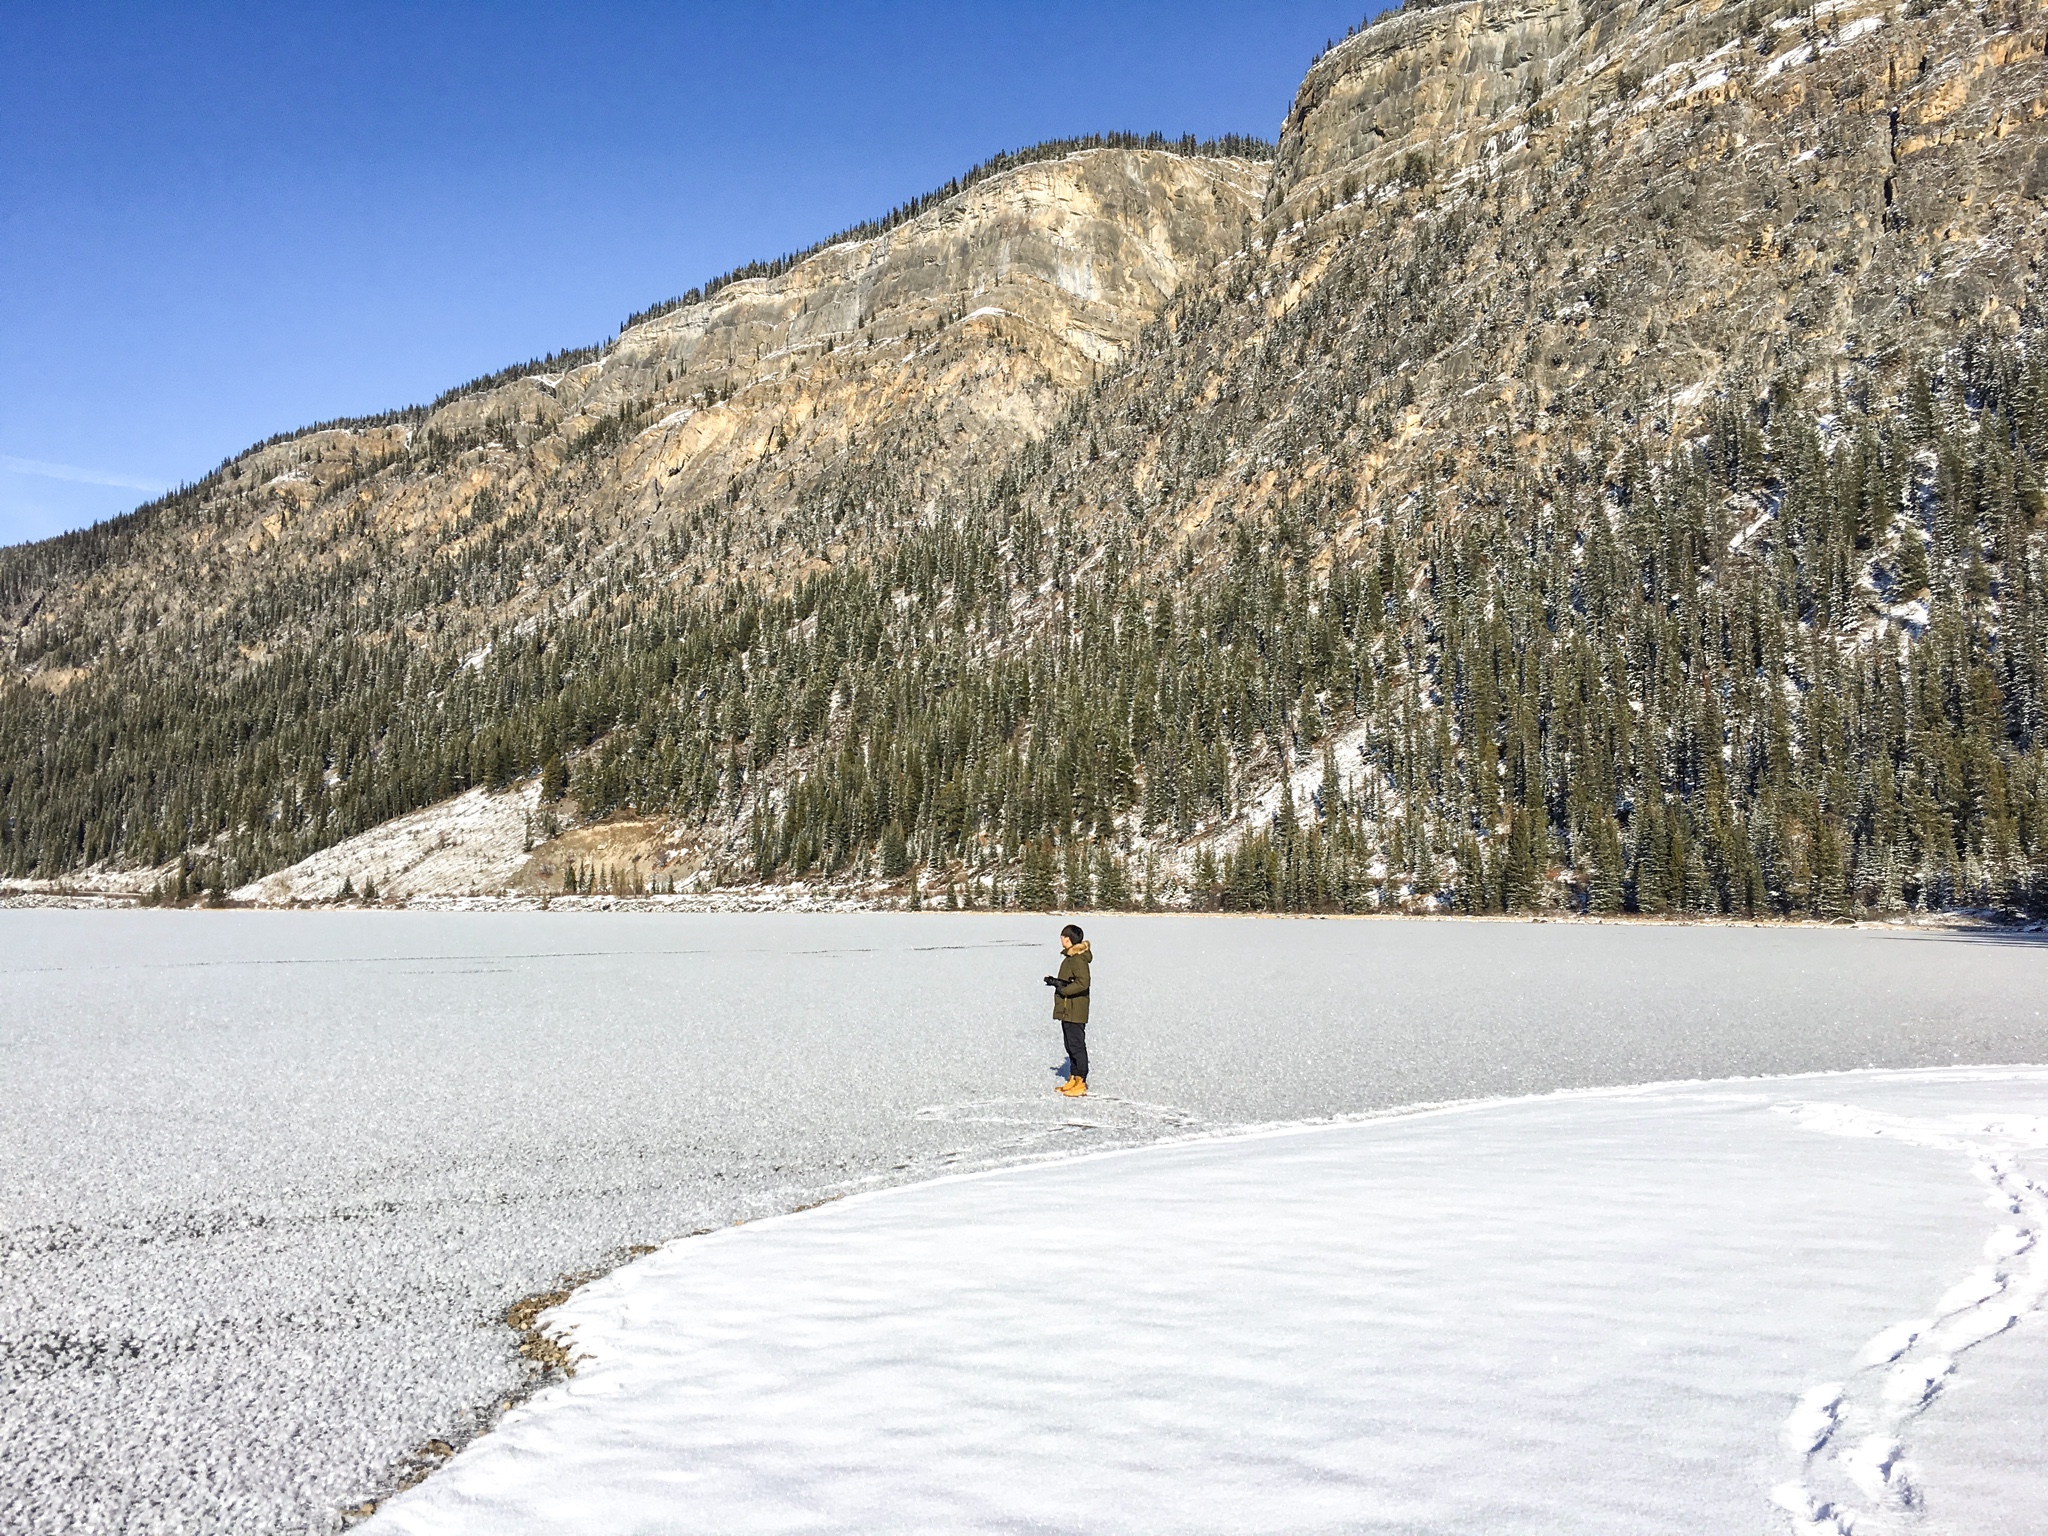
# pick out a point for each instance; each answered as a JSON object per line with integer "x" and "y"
{"x": 1065, "y": 1068}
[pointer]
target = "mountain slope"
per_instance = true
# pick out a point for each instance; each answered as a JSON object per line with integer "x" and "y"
{"x": 947, "y": 338}
{"x": 1603, "y": 465}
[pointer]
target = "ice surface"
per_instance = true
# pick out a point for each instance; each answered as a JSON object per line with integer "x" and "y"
{"x": 1577, "y": 1314}
{"x": 268, "y": 1181}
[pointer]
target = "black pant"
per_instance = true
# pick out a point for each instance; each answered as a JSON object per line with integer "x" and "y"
{"x": 1077, "y": 1048}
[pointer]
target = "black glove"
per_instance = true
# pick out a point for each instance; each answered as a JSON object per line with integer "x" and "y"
{"x": 1052, "y": 981}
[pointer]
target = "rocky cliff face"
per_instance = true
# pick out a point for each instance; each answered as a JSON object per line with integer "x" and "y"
{"x": 1488, "y": 223}
{"x": 751, "y": 434}
{"x": 1531, "y": 225}
{"x": 944, "y": 341}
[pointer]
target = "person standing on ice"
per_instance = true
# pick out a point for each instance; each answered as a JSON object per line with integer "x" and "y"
{"x": 1070, "y": 1006}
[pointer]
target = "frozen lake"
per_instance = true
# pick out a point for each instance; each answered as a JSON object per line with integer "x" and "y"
{"x": 268, "y": 1180}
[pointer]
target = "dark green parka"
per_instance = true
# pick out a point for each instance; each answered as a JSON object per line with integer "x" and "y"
{"x": 1070, "y": 996}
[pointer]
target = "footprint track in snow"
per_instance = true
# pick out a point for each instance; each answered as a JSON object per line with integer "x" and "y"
{"x": 1890, "y": 1344}
{"x": 1848, "y": 1439}
{"x": 1810, "y": 1425}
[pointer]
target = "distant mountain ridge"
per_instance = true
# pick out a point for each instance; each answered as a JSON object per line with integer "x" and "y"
{"x": 1598, "y": 462}
{"x": 1235, "y": 146}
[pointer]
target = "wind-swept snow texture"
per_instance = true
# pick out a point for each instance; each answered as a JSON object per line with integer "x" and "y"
{"x": 269, "y": 1181}
{"x": 1580, "y": 1314}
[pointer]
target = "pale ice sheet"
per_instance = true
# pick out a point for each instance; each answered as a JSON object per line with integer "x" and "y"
{"x": 268, "y": 1181}
{"x": 1582, "y": 1314}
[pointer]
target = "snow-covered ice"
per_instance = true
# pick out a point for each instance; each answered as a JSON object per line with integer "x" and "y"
{"x": 268, "y": 1181}
{"x": 1585, "y": 1313}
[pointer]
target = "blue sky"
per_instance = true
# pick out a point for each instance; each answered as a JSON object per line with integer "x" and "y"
{"x": 217, "y": 223}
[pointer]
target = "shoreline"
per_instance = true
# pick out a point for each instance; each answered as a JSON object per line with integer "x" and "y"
{"x": 759, "y": 901}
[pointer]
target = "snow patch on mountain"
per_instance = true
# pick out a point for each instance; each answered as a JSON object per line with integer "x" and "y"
{"x": 474, "y": 843}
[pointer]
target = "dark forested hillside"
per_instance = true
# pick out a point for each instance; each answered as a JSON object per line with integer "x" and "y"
{"x": 1455, "y": 538}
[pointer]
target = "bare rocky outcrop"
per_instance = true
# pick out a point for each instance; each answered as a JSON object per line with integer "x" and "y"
{"x": 760, "y": 418}
{"x": 981, "y": 315}
{"x": 1502, "y": 232}
{"x": 1649, "y": 203}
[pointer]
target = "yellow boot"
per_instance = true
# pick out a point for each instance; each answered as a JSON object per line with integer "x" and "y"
{"x": 1075, "y": 1088}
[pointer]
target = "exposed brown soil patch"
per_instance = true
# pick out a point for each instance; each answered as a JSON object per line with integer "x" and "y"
{"x": 620, "y": 856}
{"x": 548, "y": 1361}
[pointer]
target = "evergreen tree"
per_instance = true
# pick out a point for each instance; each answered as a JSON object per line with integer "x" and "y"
{"x": 1035, "y": 893}
{"x": 1112, "y": 885}
{"x": 895, "y": 851}
{"x": 1074, "y": 880}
